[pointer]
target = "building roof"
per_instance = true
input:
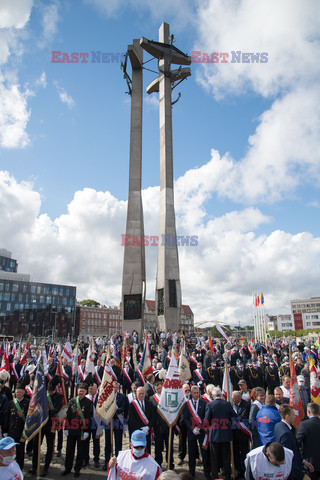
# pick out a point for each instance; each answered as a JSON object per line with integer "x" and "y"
{"x": 152, "y": 306}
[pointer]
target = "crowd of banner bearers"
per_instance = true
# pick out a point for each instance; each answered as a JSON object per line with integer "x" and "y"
{"x": 216, "y": 399}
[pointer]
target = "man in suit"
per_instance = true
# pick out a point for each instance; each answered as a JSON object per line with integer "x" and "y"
{"x": 126, "y": 378}
{"x": 118, "y": 424}
{"x": 149, "y": 388}
{"x": 141, "y": 416}
{"x": 14, "y": 421}
{"x": 283, "y": 434}
{"x": 242, "y": 436}
{"x": 200, "y": 377}
{"x": 193, "y": 416}
{"x": 161, "y": 429}
{"x": 308, "y": 438}
{"x": 55, "y": 401}
{"x": 219, "y": 415}
{"x": 77, "y": 429}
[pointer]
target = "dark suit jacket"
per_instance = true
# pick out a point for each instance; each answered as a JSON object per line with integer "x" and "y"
{"x": 124, "y": 381}
{"x": 219, "y": 415}
{"x": 187, "y": 417}
{"x": 134, "y": 420}
{"x": 308, "y": 436}
{"x": 286, "y": 437}
{"x": 149, "y": 390}
{"x": 160, "y": 425}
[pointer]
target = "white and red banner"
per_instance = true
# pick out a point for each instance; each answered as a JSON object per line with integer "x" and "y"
{"x": 295, "y": 399}
{"x": 314, "y": 384}
{"x": 106, "y": 405}
{"x": 172, "y": 398}
{"x": 67, "y": 352}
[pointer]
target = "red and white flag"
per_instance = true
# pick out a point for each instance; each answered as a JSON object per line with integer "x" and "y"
{"x": 67, "y": 352}
{"x": 314, "y": 384}
{"x": 90, "y": 359}
{"x": 295, "y": 399}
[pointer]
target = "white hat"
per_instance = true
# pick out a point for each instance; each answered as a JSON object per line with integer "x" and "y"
{"x": 31, "y": 368}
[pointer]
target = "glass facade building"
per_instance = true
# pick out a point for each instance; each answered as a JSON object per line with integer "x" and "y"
{"x": 40, "y": 309}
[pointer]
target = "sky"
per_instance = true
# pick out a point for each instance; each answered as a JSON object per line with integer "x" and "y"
{"x": 246, "y": 151}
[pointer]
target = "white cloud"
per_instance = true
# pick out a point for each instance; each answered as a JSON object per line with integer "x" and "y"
{"x": 14, "y": 13}
{"x": 64, "y": 96}
{"x": 83, "y": 248}
{"x": 14, "y": 115}
{"x": 14, "y": 111}
{"x": 283, "y": 152}
{"x": 50, "y": 18}
{"x": 288, "y": 31}
{"x": 42, "y": 80}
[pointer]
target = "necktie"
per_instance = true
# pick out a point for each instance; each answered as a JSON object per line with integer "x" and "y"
{"x": 196, "y": 406}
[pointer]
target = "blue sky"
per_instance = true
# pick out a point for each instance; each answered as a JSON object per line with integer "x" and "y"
{"x": 246, "y": 149}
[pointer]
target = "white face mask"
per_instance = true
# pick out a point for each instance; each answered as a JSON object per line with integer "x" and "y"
{"x": 137, "y": 453}
{"x": 7, "y": 460}
{"x": 187, "y": 395}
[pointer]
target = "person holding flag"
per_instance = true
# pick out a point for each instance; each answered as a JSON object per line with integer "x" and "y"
{"x": 14, "y": 421}
{"x": 219, "y": 415}
{"x": 55, "y": 401}
{"x": 141, "y": 416}
{"x": 77, "y": 424}
{"x": 37, "y": 415}
{"x": 193, "y": 416}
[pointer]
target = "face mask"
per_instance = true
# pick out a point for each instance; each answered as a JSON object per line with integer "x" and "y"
{"x": 187, "y": 395}
{"x": 301, "y": 384}
{"x": 7, "y": 460}
{"x": 137, "y": 453}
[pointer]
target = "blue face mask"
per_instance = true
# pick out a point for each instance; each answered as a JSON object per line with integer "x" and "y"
{"x": 137, "y": 453}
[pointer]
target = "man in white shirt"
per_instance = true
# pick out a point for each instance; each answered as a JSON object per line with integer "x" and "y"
{"x": 134, "y": 463}
{"x": 285, "y": 387}
{"x": 272, "y": 461}
{"x": 9, "y": 469}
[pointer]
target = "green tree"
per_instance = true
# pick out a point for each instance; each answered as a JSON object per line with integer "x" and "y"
{"x": 89, "y": 303}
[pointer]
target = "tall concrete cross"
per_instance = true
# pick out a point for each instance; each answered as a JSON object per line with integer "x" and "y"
{"x": 134, "y": 275}
{"x": 168, "y": 288}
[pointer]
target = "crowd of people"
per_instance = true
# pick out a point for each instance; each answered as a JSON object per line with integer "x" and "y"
{"x": 251, "y": 436}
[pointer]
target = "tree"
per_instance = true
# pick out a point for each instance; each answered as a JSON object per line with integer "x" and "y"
{"x": 89, "y": 303}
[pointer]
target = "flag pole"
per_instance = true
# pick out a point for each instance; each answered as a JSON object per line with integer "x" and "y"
{"x": 170, "y": 447}
{"x": 231, "y": 441}
{"x": 111, "y": 437}
{"x": 38, "y": 460}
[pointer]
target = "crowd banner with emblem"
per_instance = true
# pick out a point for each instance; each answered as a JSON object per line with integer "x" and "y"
{"x": 172, "y": 399}
{"x": 106, "y": 404}
{"x": 294, "y": 396}
{"x": 38, "y": 411}
{"x": 314, "y": 383}
{"x": 184, "y": 366}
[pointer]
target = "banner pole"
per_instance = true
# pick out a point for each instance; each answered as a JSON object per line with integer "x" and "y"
{"x": 38, "y": 460}
{"x": 170, "y": 447}
{"x": 111, "y": 436}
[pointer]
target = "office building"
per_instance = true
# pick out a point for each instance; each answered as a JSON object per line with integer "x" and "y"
{"x": 34, "y": 308}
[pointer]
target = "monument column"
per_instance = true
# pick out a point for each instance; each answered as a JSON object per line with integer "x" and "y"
{"x": 168, "y": 288}
{"x": 133, "y": 278}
